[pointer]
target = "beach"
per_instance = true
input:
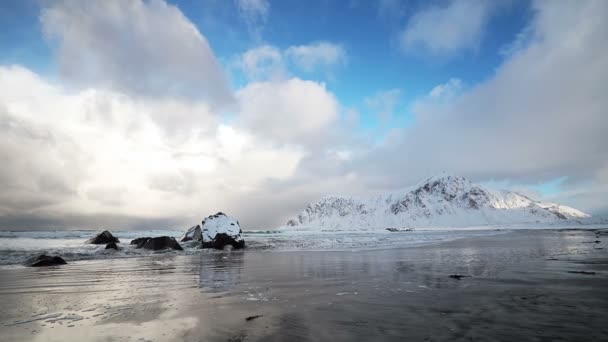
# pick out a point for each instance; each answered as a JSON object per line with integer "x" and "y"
{"x": 524, "y": 285}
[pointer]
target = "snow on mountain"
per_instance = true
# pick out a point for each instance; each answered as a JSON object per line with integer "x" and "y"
{"x": 441, "y": 201}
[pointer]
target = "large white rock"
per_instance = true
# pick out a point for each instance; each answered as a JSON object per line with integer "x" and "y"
{"x": 220, "y": 230}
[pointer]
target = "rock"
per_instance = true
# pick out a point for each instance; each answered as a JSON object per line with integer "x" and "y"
{"x": 103, "y": 238}
{"x": 458, "y": 276}
{"x": 193, "y": 234}
{"x": 157, "y": 243}
{"x": 140, "y": 241}
{"x": 582, "y": 272}
{"x": 400, "y": 230}
{"x": 220, "y": 230}
{"x": 112, "y": 245}
{"x": 251, "y": 318}
{"x": 45, "y": 260}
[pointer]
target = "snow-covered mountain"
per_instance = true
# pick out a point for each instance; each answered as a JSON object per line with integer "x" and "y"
{"x": 440, "y": 201}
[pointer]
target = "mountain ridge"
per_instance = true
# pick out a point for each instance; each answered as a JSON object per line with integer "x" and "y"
{"x": 438, "y": 201}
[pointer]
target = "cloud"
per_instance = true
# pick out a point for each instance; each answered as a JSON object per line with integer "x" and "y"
{"x": 312, "y": 56}
{"x": 96, "y": 152}
{"x": 255, "y": 13}
{"x": 263, "y": 62}
{"x": 269, "y": 62}
{"x": 446, "y": 30}
{"x": 108, "y": 153}
{"x": 446, "y": 91}
{"x": 287, "y": 110}
{"x": 141, "y": 48}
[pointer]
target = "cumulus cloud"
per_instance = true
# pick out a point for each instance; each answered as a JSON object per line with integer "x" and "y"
{"x": 263, "y": 62}
{"x": 446, "y": 91}
{"x": 287, "y": 110}
{"x": 141, "y": 48}
{"x": 125, "y": 138}
{"x": 445, "y": 30}
{"x": 269, "y": 62}
{"x": 311, "y": 56}
{"x": 96, "y": 152}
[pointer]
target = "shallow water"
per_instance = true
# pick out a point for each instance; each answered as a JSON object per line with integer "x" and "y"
{"x": 520, "y": 289}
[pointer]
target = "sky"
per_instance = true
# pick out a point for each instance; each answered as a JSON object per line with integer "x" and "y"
{"x": 153, "y": 114}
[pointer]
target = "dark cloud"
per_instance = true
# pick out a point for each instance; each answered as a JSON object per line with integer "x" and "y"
{"x": 140, "y": 48}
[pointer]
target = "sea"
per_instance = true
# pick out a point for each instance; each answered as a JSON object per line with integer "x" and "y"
{"x": 18, "y": 246}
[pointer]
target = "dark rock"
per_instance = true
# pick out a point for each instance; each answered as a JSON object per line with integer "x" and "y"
{"x": 139, "y": 242}
{"x": 582, "y": 272}
{"x": 458, "y": 276}
{"x": 112, "y": 245}
{"x": 400, "y": 230}
{"x": 158, "y": 243}
{"x": 45, "y": 260}
{"x": 103, "y": 238}
{"x": 222, "y": 240}
{"x": 251, "y": 318}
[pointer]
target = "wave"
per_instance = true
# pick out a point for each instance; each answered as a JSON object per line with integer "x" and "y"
{"x": 16, "y": 247}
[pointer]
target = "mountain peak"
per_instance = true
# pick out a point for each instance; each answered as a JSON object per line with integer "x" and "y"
{"x": 444, "y": 200}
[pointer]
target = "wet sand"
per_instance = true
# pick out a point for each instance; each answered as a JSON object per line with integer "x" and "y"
{"x": 523, "y": 286}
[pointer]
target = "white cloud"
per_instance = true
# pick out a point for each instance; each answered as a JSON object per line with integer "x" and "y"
{"x": 263, "y": 62}
{"x": 447, "y": 90}
{"x": 287, "y": 110}
{"x": 445, "y": 30}
{"x": 269, "y": 62}
{"x": 97, "y": 152}
{"x": 141, "y": 48}
{"x": 311, "y": 56}
{"x": 255, "y": 13}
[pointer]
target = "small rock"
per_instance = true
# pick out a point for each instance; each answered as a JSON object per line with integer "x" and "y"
{"x": 112, "y": 245}
{"x": 103, "y": 238}
{"x": 251, "y": 318}
{"x": 582, "y": 272}
{"x": 45, "y": 260}
{"x": 458, "y": 276}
